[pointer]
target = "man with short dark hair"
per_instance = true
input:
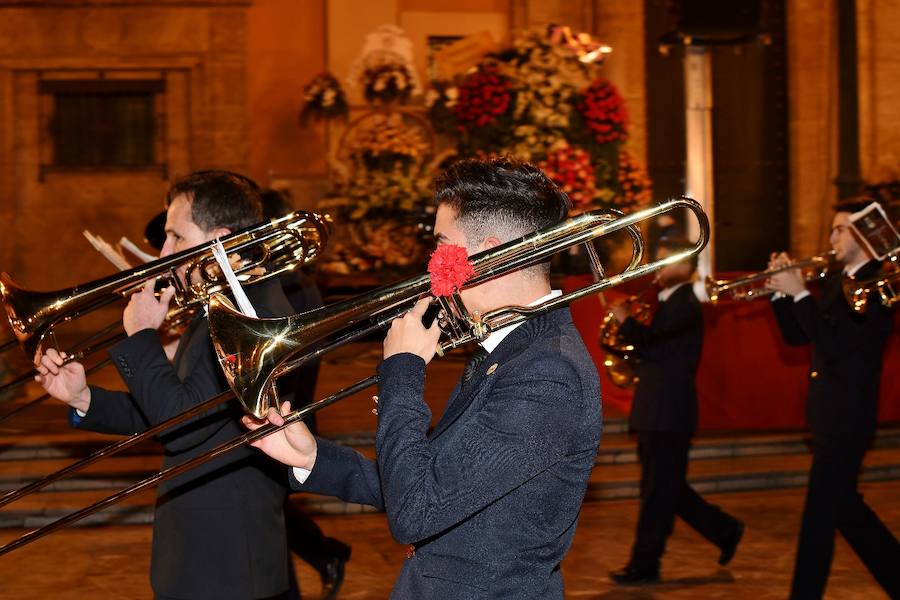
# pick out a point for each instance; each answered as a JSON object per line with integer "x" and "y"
{"x": 841, "y": 410}
{"x": 664, "y": 417}
{"x": 218, "y": 530}
{"x": 488, "y": 500}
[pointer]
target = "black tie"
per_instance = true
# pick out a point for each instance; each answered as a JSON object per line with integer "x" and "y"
{"x": 474, "y": 361}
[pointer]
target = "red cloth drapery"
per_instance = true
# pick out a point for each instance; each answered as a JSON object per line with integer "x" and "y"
{"x": 748, "y": 378}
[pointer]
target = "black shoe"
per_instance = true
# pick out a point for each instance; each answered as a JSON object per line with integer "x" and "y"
{"x": 730, "y": 548}
{"x": 332, "y": 573}
{"x": 634, "y": 576}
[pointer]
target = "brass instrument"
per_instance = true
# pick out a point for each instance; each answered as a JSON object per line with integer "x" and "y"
{"x": 177, "y": 317}
{"x": 282, "y": 244}
{"x": 752, "y": 286}
{"x": 858, "y": 291}
{"x": 619, "y": 360}
{"x": 254, "y": 352}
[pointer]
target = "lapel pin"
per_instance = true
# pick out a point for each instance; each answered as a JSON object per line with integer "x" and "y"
{"x": 491, "y": 369}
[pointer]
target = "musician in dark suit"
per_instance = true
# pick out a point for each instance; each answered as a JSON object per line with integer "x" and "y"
{"x": 841, "y": 411}
{"x": 664, "y": 417}
{"x": 489, "y": 500}
{"x": 218, "y": 529}
{"x": 327, "y": 555}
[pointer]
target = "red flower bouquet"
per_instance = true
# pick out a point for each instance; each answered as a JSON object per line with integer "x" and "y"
{"x": 604, "y": 112}
{"x": 449, "y": 268}
{"x": 570, "y": 168}
{"x": 483, "y": 98}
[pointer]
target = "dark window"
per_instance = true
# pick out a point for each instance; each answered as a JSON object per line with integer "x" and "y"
{"x": 103, "y": 123}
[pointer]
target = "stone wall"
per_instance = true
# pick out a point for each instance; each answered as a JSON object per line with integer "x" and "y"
{"x": 198, "y": 49}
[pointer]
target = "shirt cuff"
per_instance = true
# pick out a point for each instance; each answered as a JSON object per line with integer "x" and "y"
{"x": 301, "y": 474}
{"x": 80, "y": 413}
{"x": 801, "y": 295}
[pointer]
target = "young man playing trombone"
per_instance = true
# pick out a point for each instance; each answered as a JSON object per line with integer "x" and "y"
{"x": 218, "y": 530}
{"x": 488, "y": 501}
{"x": 841, "y": 410}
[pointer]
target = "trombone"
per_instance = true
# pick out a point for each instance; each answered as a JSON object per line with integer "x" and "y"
{"x": 254, "y": 352}
{"x": 278, "y": 246}
{"x": 748, "y": 287}
{"x": 283, "y": 244}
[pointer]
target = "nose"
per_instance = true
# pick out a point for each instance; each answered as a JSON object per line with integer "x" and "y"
{"x": 167, "y": 248}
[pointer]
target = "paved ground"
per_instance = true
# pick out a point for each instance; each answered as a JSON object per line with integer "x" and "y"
{"x": 112, "y": 562}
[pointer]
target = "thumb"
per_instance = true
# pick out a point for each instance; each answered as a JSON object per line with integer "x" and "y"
{"x": 251, "y": 423}
{"x": 166, "y": 297}
{"x": 274, "y": 418}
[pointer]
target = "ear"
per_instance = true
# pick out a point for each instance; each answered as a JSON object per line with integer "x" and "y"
{"x": 218, "y": 232}
{"x": 490, "y": 242}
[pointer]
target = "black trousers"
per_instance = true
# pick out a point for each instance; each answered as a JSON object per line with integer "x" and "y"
{"x": 665, "y": 493}
{"x": 834, "y": 503}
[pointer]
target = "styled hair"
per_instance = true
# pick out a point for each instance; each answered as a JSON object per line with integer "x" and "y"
{"x": 501, "y": 197}
{"x": 275, "y": 204}
{"x": 852, "y": 204}
{"x": 678, "y": 244}
{"x": 219, "y": 199}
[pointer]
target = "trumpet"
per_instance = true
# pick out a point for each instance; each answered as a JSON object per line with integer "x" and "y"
{"x": 751, "y": 287}
{"x": 254, "y": 352}
{"x": 281, "y": 245}
{"x": 858, "y": 291}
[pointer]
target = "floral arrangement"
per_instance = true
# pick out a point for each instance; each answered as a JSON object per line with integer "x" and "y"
{"x": 540, "y": 101}
{"x": 386, "y": 143}
{"x": 604, "y": 112}
{"x": 323, "y": 98}
{"x": 635, "y": 185}
{"x": 387, "y": 83}
{"x": 570, "y": 168}
{"x": 381, "y": 196}
{"x": 449, "y": 268}
{"x": 482, "y": 98}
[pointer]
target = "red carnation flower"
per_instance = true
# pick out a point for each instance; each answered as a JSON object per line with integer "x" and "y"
{"x": 449, "y": 268}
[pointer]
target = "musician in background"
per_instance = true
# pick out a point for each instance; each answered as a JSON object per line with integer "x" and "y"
{"x": 664, "y": 417}
{"x": 327, "y": 555}
{"x": 489, "y": 499}
{"x": 841, "y": 410}
{"x": 218, "y": 530}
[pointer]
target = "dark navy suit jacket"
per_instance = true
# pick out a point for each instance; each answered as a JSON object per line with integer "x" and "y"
{"x": 490, "y": 499}
{"x": 218, "y": 529}
{"x": 668, "y": 351}
{"x": 847, "y": 353}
